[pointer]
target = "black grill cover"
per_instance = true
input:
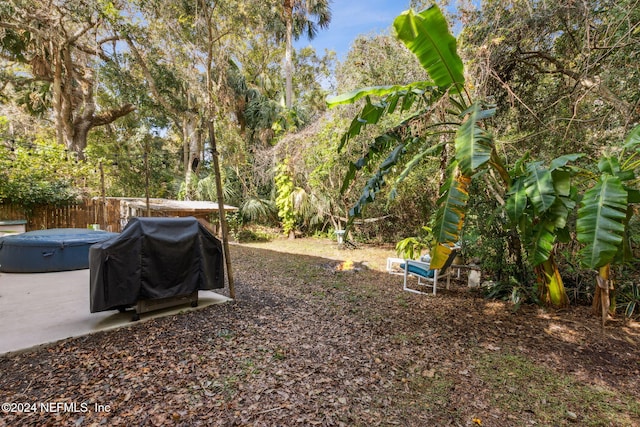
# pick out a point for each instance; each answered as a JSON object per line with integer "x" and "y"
{"x": 154, "y": 258}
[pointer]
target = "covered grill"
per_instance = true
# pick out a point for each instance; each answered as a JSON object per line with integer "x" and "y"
{"x": 154, "y": 263}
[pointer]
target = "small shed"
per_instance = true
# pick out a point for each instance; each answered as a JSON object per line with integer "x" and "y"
{"x": 122, "y": 209}
{"x": 170, "y": 208}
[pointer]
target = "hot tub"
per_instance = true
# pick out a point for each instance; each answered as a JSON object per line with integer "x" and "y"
{"x": 57, "y": 249}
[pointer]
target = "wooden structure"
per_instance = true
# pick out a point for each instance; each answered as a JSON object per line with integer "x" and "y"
{"x": 134, "y": 207}
{"x": 110, "y": 214}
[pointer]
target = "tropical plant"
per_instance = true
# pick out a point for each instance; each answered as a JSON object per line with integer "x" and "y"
{"x": 206, "y": 189}
{"x": 298, "y": 16}
{"x": 603, "y": 218}
{"x": 631, "y": 298}
{"x": 255, "y": 209}
{"x": 447, "y": 109}
{"x": 284, "y": 199}
{"x": 539, "y": 203}
{"x": 443, "y": 108}
{"x": 509, "y": 290}
{"x": 411, "y": 247}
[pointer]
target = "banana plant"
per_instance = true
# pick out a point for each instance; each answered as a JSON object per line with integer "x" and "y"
{"x": 603, "y": 218}
{"x": 474, "y": 152}
{"x": 411, "y": 247}
{"x": 427, "y": 36}
{"x": 539, "y": 203}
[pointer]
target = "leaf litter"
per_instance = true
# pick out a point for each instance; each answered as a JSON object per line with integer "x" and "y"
{"x": 306, "y": 344}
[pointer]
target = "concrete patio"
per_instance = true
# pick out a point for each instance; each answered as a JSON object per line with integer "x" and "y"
{"x": 42, "y": 308}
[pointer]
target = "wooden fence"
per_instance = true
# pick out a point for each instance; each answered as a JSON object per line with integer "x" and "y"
{"x": 80, "y": 215}
{"x": 110, "y": 214}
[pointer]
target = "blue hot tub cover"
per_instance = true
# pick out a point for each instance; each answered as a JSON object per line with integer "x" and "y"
{"x": 56, "y": 249}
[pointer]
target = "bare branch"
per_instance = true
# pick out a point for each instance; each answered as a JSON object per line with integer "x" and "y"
{"x": 512, "y": 93}
{"x": 587, "y": 82}
{"x": 16, "y": 27}
{"x": 112, "y": 115}
{"x": 92, "y": 51}
{"x": 82, "y": 31}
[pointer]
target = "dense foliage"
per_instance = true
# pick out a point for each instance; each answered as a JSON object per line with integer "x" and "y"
{"x": 480, "y": 151}
{"x": 40, "y": 171}
{"x": 537, "y": 197}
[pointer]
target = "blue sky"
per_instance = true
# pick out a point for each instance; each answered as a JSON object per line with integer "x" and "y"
{"x": 350, "y": 18}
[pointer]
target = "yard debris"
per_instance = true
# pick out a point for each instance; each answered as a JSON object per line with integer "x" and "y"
{"x": 304, "y": 346}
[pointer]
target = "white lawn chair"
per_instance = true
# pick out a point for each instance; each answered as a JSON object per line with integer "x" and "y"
{"x": 426, "y": 276}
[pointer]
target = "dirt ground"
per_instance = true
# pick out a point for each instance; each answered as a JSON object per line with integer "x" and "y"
{"x": 305, "y": 344}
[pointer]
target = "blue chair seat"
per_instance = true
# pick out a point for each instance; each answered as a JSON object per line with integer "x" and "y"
{"x": 419, "y": 270}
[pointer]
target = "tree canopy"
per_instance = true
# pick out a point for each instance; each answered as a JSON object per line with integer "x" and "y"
{"x": 492, "y": 123}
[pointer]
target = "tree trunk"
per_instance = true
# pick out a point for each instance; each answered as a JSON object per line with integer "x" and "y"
{"x": 192, "y": 155}
{"x": 514, "y": 251}
{"x": 223, "y": 218}
{"x": 74, "y": 104}
{"x": 57, "y": 94}
{"x": 551, "y": 286}
{"x": 185, "y": 144}
{"x": 602, "y": 301}
{"x": 288, "y": 56}
{"x": 79, "y": 137}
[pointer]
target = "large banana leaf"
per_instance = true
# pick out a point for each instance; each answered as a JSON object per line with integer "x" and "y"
{"x": 561, "y": 182}
{"x": 452, "y": 208}
{"x": 380, "y": 146}
{"x": 559, "y": 212}
{"x": 369, "y": 192}
{"x": 601, "y": 221}
{"x": 541, "y": 242}
{"x": 517, "y": 201}
{"x": 538, "y": 184}
{"x": 371, "y": 112}
{"x": 439, "y": 256}
{"x": 561, "y": 162}
{"x": 611, "y": 166}
{"x": 378, "y": 91}
{"x": 396, "y": 148}
{"x": 474, "y": 145}
{"x": 632, "y": 141}
{"x": 377, "y": 181}
{"x": 427, "y": 35}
